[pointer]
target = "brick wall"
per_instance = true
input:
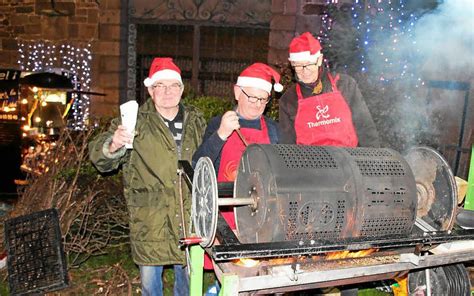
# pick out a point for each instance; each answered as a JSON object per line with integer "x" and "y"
{"x": 73, "y": 22}
{"x": 291, "y": 18}
{"x": 282, "y": 30}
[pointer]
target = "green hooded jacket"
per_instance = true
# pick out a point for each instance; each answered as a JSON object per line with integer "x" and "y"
{"x": 151, "y": 181}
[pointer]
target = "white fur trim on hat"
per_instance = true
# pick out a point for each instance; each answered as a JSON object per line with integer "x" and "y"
{"x": 303, "y": 56}
{"x": 254, "y": 82}
{"x": 278, "y": 87}
{"x": 160, "y": 75}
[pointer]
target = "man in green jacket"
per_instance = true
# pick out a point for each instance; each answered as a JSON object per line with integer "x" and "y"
{"x": 166, "y": 131}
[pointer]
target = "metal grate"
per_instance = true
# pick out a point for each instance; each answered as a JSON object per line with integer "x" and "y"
{"x": 315, "y": 215}
{"x": 379, "y": 168}
{"x": 400, "y": 191}
{"x": 36, "y": 261}
{"x": 306, "y": 157}
{"x": 369, "y": 152}
{"x": 385, "y": 226}
{"x": 292, "y": 219}
{"x": 380, "y": 197}
{"x": 222, "y": 54}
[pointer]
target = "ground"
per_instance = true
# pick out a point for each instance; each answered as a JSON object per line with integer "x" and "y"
{"x": 110, "y": 274}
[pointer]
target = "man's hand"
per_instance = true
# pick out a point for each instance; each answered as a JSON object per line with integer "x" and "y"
{"x": 121, "y": 137}
{"x": 229, "y": 123}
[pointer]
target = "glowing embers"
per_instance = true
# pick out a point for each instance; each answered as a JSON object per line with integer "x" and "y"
{"x": 349, "y": 254}
{"x": 246, "y": 262}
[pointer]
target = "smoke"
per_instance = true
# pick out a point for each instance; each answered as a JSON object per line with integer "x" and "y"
{"x": 445, "y": 40}
{"x": 439, "y": 42}
{"x": 439, "y": 47}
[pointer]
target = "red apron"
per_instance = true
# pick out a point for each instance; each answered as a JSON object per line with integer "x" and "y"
{"x": 325, "y": 119}
{"x": 230, "y": 159}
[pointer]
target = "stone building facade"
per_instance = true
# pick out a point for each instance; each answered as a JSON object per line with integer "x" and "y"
{"x": 81, "y": 22}
{"x": 211, "y": 41}
{"x": 110, "y": 27}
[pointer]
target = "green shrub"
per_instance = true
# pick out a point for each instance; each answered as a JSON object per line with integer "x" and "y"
{"x": 209, "y": 106}
{"x": 213, "y": 106}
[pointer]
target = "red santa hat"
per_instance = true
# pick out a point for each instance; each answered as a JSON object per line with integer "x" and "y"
{"x": 162, "y": 68}
{"x": 260, "y": 76}
{"x": 304, "y": 48}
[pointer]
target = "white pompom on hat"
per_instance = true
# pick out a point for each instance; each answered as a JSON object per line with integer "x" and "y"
{"x": 260, "y": 76}
{"x": 162, "y": 68}
{"x": 304, "y": 48}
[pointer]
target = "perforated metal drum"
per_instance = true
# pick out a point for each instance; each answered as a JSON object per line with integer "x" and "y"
{"x": 309, "y": 192}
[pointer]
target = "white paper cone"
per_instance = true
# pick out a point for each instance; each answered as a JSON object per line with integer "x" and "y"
{"x": 128, "y": 113}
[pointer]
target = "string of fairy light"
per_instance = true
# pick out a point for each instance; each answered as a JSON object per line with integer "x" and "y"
{"x": 74, "y": 61}
{"x": 326, "y": 24}
{"x": 384, "y": 26}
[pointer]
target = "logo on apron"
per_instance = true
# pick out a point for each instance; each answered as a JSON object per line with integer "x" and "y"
{"x": 322, "y": 112}
{"x": 323, "y": 117}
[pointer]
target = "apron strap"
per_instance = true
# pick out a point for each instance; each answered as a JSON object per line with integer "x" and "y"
{"x": 263, "y": 128}
{"x": 298, "y": 91}
{"x": 333, "y": 81}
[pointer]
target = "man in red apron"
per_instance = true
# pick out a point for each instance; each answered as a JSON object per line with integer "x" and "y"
{"x": 221, "y": 141}
{"x": 321, "y": 108}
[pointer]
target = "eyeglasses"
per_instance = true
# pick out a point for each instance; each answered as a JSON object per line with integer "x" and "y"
{"x": 175, "y": 87}
{"x": 253, "y": 99}
{"x": 301, "y": 68}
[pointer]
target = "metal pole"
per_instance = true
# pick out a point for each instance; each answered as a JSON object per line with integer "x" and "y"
{"x": 428, "y": 284}
{"x": 197, "y": 266}
{"x": 236, "y": 201}
{"x": 196, "y": 58}
{"x": 241, "y": 137}
{"x": 461, "y": 131}
{"x": 469, "y": 203}
{"x": 230, "y": 285}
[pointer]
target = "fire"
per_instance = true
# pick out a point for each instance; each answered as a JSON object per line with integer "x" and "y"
{"x": 350, "y": 254}
{"x": 282, "y": 261}
{"x": 247, "y": 262}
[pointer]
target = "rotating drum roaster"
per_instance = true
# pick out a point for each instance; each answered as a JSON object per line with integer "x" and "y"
{"x": 293, "y": 192}
{"x": 315, "y": 192}
{"x": 291, "y": 201}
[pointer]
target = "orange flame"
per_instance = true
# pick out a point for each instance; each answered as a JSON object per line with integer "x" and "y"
{"x": 246, "y": 262}
{"x": 350, "y": 254}
{"x": 281, "y": 261}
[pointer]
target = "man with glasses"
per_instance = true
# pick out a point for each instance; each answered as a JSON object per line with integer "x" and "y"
{"x": 322, "y": 109}
{"x": 227, "y": 136}
{"x": 222, "y": 142}
{"x": 166, "y": 131}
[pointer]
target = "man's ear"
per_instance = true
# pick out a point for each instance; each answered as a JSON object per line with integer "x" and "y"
{"x": 150, "y": 91}
{"x": 320, "y": 60}
{"x": 237, "y": 92}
